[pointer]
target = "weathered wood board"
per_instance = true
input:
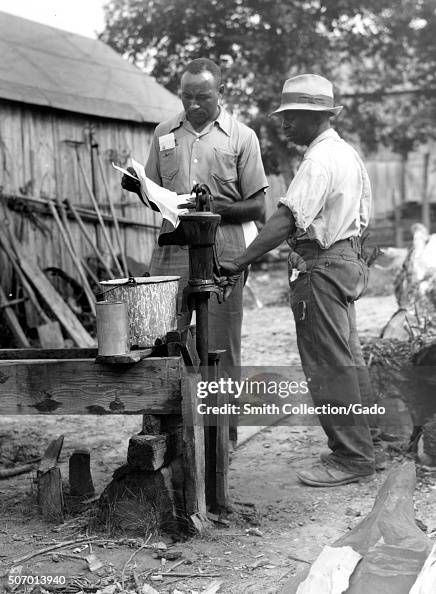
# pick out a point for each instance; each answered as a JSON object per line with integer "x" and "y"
{"x": 82, "y": 386}
{"x": 22, "y": 354}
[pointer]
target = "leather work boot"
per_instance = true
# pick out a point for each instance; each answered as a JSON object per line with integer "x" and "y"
{"x": 379, "y": 453}
{"x": 324, "y": 475}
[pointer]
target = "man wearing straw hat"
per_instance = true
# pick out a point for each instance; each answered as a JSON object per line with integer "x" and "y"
{"x": 323, "y": 215}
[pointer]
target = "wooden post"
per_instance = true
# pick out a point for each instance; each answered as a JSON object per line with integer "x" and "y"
{"x": 50, "y": 496}
{"x": 221, "y": 468}
{"x": 425, "y": 212}
{"x": 81, "y": 484}
{"x": 193, "y": 451}
{"x": 398, "y": 228}
{"x": 403, "y": 199}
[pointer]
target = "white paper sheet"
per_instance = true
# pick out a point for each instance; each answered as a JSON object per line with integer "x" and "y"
{"x": 166, "y": 201}
{"x": 250, "y": 232}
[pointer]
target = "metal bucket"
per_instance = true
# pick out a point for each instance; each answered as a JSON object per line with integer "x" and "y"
{"x": 112, "y": 327}
{"x": 151, "y": 305}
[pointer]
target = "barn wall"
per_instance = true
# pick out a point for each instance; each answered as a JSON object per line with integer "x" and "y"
{"x": 35, "y": 160}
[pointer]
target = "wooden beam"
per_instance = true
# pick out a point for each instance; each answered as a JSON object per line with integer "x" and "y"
{"x": 74, "y": 353}
{"x": 126, "y": 358}
{"x": 41, "y": 206}
{"x": 50, "y": 495}
{"x": 193, "y": 451}
{"x": 152, "y": 386}
{"x": 51, "y": 454}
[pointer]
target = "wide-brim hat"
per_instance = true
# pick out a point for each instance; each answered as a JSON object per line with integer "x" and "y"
{"x": 309, "y": 92}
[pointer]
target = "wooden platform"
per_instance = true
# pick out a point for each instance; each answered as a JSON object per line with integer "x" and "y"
{"x": 75, "y": 381}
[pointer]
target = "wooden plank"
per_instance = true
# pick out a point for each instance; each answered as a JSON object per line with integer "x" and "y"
{"x": 40, "y": 206}
{"x": 222, "y": 456}
{"x": 54, "y": 301}
{"x": 151, "y": 386}
{"x": 193, "y": 451}
{"x": 216, "y": 444}
{"x": 12, "y": 150}
{"x": 51, "y": 454}
{"x": 186, "y": 341}
{"x": 50, "y": 495}
{"x": 12, "y": 321}
{"x": 125, "y": 358}
{"x": 74, "y": 353}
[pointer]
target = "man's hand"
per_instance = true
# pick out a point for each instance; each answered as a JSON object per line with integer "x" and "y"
{"x": 231, "y": 268}
{"x": 129, "y": 184}
{"x": 296, "y": 262}
{"x": 190, "y": 201}
{"x": 227, "y": 281}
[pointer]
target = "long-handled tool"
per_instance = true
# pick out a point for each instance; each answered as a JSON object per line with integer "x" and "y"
{"x": 75, "y": 144}
{"x": 113, "y": 212}
{"x": 64, "y": 220}
{"x": 86, "y": 287}
{"x": 49, "y": 332}
{"x": 88, "y": 238}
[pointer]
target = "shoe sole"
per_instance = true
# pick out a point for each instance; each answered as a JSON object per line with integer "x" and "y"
{"x": 357, "y": 479}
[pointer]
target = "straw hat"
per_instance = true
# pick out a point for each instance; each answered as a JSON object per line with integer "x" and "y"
{"x": 309, "y": 92}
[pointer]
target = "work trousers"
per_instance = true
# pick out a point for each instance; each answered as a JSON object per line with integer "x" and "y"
{"x": 322, "y": 301}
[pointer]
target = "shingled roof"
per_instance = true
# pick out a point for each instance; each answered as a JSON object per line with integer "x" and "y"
{"x": 41, "y": 65}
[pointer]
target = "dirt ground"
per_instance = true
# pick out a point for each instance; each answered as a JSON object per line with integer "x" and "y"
{"x": 278, "y": 525}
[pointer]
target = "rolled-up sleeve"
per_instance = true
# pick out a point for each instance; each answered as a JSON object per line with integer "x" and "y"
{"x": 307, "y": 193}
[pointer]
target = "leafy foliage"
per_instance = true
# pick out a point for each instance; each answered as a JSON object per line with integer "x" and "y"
{"x": 363, "y": 45}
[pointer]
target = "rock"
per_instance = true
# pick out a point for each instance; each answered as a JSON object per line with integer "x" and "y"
{"x": 254, "y": 532}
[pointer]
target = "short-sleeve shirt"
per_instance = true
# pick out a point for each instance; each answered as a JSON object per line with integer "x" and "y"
{"x": 225, "y": 156}
{"x": 330, "y": 195}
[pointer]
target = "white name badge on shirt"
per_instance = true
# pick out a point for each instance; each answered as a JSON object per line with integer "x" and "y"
{"x": 167, "y": 141}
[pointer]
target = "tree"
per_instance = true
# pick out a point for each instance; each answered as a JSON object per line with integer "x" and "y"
{"x": 392, "y": 74}
{"x": 364, "y": 45}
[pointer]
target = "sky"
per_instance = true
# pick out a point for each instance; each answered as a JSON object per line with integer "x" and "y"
{"x": 84, "y": 17}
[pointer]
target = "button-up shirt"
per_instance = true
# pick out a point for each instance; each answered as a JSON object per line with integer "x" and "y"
{"x": 225, "y": 155}
{"x": 330, "y": 195}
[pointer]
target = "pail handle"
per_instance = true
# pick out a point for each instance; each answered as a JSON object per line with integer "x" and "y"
{"x": 130, "y": 281}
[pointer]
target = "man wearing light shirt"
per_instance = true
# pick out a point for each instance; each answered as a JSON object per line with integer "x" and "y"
{"x": 323, "y": 215}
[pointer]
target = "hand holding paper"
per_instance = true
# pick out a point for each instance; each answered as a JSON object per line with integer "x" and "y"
{"x": 169, "y": 203}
